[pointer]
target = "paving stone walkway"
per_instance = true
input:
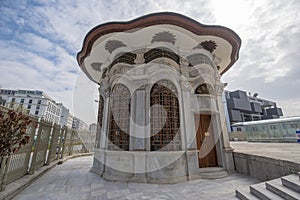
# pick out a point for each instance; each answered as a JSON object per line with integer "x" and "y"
{"x": 72, "y": 180}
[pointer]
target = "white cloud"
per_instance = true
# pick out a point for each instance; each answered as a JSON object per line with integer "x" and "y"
{"x": 39, "y": 42}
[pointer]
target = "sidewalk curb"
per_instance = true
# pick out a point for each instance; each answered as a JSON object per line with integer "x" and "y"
{"x": 14, "y": 188}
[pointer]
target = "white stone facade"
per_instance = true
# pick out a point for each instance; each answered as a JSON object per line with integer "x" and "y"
{"x": 155, "y": 165}
{"x": 161, "y": 114}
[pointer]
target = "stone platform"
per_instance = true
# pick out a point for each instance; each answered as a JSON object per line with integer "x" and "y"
{"x": 73, "y": 180}
{"x": 280, "y": 151}
{"x": 266, "y": 161}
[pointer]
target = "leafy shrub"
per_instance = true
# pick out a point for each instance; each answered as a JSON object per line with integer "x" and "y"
{"x": 13, "y": 126}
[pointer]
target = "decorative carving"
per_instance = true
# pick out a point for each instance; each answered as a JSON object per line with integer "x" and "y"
{"x": 164, "y": 36}
{"x": 204, "y": 89}
{"x": 219, "y": 88}
{"x": 141, "y": 83}
{"x": 186, "y": 85}
{"x": 96, "y": 66}
{"x": 104, "y": 88}
{"x": 209, "y": 45}
{"x": 111, "y": 45}
{"x": 139, "y": 58}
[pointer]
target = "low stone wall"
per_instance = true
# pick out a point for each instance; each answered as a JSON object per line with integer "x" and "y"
{"x": 263, "y": 168}
{"x": 146, "y": 167}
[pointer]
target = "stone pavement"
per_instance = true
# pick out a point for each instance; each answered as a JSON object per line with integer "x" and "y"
{"x": 72, "y": 180}
{"x": 280, "y": 151}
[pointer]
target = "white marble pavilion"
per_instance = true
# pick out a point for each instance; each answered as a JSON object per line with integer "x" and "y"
{"x": 161, "y": 117}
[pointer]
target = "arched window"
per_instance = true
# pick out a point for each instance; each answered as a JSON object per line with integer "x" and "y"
{"x": 199, "y": 58}
{"x": 204, "y": 89}
{"x": 119, "y": 118}
{"x": 165, "y": 122}
{"x": 100, "y": 110}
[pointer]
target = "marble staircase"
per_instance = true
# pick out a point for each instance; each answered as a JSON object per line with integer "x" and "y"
{"x": 287, "y": 187}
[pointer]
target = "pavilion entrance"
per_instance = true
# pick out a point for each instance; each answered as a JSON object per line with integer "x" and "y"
{"x": 205, "y": 141}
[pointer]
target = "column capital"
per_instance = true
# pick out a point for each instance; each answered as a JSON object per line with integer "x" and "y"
{"x": 141, "y": 83}
{"x": 186, "y": 85}
{"x": 104, "y": 88}
{"x": 219, "y": 87}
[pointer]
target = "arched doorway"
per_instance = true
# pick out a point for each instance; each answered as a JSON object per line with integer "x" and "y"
{"x": 206, "y": 144}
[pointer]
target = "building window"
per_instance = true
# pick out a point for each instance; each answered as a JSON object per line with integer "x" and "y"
{"x": 13, "y": 99}
{"x": 119, "y": 118}
{"x": 22, "y": 101}
{"x": 199, "y": 58}
{"x": 29, "y": 107}
{"x": 204, "y": 89}
{"x": 165, "y": 122}
{"x": 100, "y": 110}
{"x": 37, "y": 107}
{"x": 160, "y": 53}
{"x": 36, "y": 112}
{"x": 30, "y": 101}
{"x": 39, "y": 101}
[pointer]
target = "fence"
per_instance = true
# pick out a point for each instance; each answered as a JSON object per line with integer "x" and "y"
{"x": 48, "y": 142}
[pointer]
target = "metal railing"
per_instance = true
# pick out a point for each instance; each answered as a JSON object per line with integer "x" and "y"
{"x": 48, "y": 142}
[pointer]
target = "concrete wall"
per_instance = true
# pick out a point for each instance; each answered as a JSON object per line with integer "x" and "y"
{"x": 263, "y": 168}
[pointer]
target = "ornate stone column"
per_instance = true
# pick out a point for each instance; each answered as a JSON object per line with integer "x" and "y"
{"x": 99, "y": 153}
{"x": 105, "y": 122}
{"x": 227, "y": 150}
{"x": 189, "y": 133}
{"x": 138, "y": 124}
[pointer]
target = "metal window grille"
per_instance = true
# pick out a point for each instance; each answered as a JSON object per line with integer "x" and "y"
{"x": 119, "y": 118}
{"x": 165, "y": 123}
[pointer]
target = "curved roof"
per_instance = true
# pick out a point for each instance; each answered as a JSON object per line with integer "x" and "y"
{"x": 168, "y": 19}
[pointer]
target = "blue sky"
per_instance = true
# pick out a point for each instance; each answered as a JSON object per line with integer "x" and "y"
{"x": 39, "y": 41}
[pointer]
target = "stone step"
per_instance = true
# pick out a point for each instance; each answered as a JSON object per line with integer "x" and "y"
{"x": 276, "y": 187}
{"x": 245, "y": 194}
{"x": 211, "y": 169}
{"x": 212, "y": 173}
{"x": 291, "y": 181}
{"x": 260, "y": 191}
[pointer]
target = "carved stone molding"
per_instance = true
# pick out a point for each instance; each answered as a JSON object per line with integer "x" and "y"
{"x": 219, "y": 88}
{"x": 186, "y": 85}
{"x": 96, "y": 66}
{"x": 104, "y": 88}
{"x": 111, "y": 45}
{"x": 141, "y": 83}
{"x": 139, "y": 58}
{"x": 164, "y": 36}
